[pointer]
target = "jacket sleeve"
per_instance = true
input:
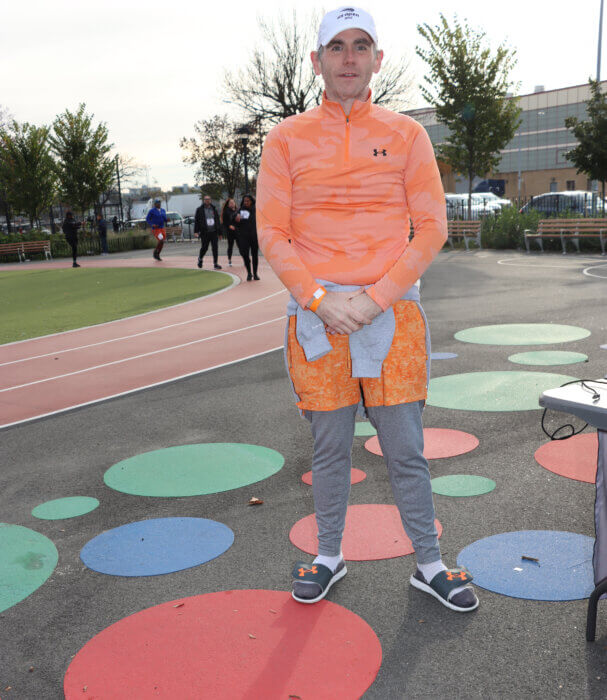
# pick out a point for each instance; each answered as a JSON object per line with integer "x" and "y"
{"x": 426, "y": 202}
{"x": 274, "y": 219}
{"x": 148, "y": 218}
{"x": 197, "y": 221}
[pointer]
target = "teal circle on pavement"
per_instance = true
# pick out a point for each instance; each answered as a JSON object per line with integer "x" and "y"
{"x": 459, "y": 485}
{"x": 493, "y": 391}
{"x": 545, "y": 358}
{"x": 522, "y": 334}
{"x": 27, "y": 559}
{"x": 193, "y": 470}
{"x": 61, "y": 508}
{"x": 364, "y": 428}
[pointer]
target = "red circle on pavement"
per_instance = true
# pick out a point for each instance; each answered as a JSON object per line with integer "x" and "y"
{"x": 372, "y": 532}
{"x": 356, "y": 476}
{"x": 232, "y": 644}
{"x": 574, "y": 458}
{"x": 438, "y": 443}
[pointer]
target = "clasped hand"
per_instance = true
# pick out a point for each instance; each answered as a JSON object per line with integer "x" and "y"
{"x": 347, "y": 312}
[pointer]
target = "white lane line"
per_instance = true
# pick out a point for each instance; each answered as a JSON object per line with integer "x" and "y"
{"x": 588, "y": 273}
{"x": 135, "y": 335}
{"x": 146, "y": 354}
{"x": 139, "y": 388}
{"x": 235, "y": 281}
{"x": 512, "y": 262}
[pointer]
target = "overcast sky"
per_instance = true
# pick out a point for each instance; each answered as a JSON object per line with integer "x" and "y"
{"x": 151, "y": 69}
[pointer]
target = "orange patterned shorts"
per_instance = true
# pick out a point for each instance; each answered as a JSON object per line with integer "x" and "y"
{"x": 327, "y": 383}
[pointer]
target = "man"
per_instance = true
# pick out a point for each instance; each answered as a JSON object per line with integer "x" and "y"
{"x": 208, "y": 226}
{"x": 336, "y": 188}
{"x": 70, "y": 230}
{"x": 102, "y": 232}
{"x": 157, "y": 219}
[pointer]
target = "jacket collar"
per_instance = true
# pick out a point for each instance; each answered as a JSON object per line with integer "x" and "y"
{"x": 336, "y": 111}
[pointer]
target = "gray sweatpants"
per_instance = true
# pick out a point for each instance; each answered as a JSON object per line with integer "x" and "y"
{"x": 400, "y": 432}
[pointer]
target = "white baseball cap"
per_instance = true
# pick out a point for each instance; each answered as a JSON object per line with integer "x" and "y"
{"x": 344, "y": 18}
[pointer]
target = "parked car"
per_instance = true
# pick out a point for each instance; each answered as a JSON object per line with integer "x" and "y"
{"x": 572, "y": 201}
{"x": 174, "y": 219}
{"x": 457, "y": 207}
{"x": 135, "y": 223}
{"x": 491, "y": 200}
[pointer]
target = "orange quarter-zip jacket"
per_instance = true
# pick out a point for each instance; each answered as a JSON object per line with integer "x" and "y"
{"x": 342, "y": 189}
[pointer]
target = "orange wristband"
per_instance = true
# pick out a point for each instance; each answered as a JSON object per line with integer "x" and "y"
{"x": 317, "y": 297}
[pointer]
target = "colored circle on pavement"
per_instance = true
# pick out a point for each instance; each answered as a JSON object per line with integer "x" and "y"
{"x": 574, "y": 458}
{"x": 27, "y": 559}
{"x": 372, "y": 532}
{"x": 231, "y": 644}
{"x": 459, "y": 485}
{"x": 364, "y": 428}
{"x": 356, "y": 476}
{"x": 193, "y": 470}
{"x": 563, "y": 570}
{"x": 438, "y": 443}
{"x": 522, "y": 334}
{"x": 62, "y": 508}
{"x": 157, "y": 546}
{"x": 545, "y": 358}
{"x": 443, "y": 355}
{"x": 493, "y": 391}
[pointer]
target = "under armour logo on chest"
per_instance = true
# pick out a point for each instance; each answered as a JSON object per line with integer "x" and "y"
{"x": 380, "y": 151}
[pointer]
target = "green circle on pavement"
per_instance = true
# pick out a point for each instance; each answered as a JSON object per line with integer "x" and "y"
{"x": 27, "y": 559}
{"x": 364, "y": 428}
{"x": 193, "y": 470}
{"x": 62, "y": 508}
{"x": 462, "y": 485}
{"x": 522, "y": 334}
{"x": 544, "y": 358}
{"x": 493, "y": 391}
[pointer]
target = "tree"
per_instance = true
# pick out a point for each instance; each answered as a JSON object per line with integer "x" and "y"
{"x": 467, "y": 84}
{"x": 84, "y": 167}
{"x": 219, "y": 154}
{"x": 590, "y": 155}
{"x": 279, "y": 82}
{"x": 27, "y": 169}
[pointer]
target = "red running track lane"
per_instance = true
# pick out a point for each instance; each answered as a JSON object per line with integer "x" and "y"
{"x": 54, "y": 373}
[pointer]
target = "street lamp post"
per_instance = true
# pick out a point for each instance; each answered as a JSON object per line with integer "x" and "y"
{"x": 244, "y": 132}
{"x": 598, "y": 58}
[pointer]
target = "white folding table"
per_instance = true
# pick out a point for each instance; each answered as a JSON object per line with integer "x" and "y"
{"x": 588, "y": 401}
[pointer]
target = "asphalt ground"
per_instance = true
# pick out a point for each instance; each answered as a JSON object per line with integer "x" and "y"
{"x": 508, "y": 648}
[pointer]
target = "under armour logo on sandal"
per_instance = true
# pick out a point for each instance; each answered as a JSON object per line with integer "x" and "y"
{"x": 301, "y": 571}
{"x": 451, "y": 575}
{"x": 378, "y": 151}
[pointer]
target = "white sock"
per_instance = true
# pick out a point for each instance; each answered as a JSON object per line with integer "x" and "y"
{"x": 329, "y": 562}
{"x": 430, "y": 570}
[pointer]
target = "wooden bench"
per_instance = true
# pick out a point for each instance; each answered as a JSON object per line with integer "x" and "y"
{"x": 464, "y": 229}
{"x": 174, "y": 232}
{"x": 572, "y": 229}
{"x": 22, "y": 248}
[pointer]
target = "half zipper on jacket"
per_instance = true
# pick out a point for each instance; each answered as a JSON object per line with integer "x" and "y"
{"x": 347, "y": 143}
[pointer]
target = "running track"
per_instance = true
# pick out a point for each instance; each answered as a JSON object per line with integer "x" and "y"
{"x": 54, "y": 373}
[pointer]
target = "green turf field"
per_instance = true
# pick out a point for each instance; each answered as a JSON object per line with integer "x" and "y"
{"x": 39, "y": 302}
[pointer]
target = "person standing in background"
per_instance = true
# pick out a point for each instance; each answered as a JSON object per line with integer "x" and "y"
{"x": 102, "y": 231}
{"x": 246, "y": 231}
{"x": 207, "y": 226}
{"x": 227, "y": 221}
{"x": 70, "y": 230}
{"x": 157, "y": 219}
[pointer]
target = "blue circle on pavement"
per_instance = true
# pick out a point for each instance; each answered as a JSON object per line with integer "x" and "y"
{"x": 563, "y": 570}
{"x": 157, "y": 546}
{"x": 443, "y": 355}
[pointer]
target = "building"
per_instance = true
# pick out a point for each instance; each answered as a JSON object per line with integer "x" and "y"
{"x": 535, "y": 160}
